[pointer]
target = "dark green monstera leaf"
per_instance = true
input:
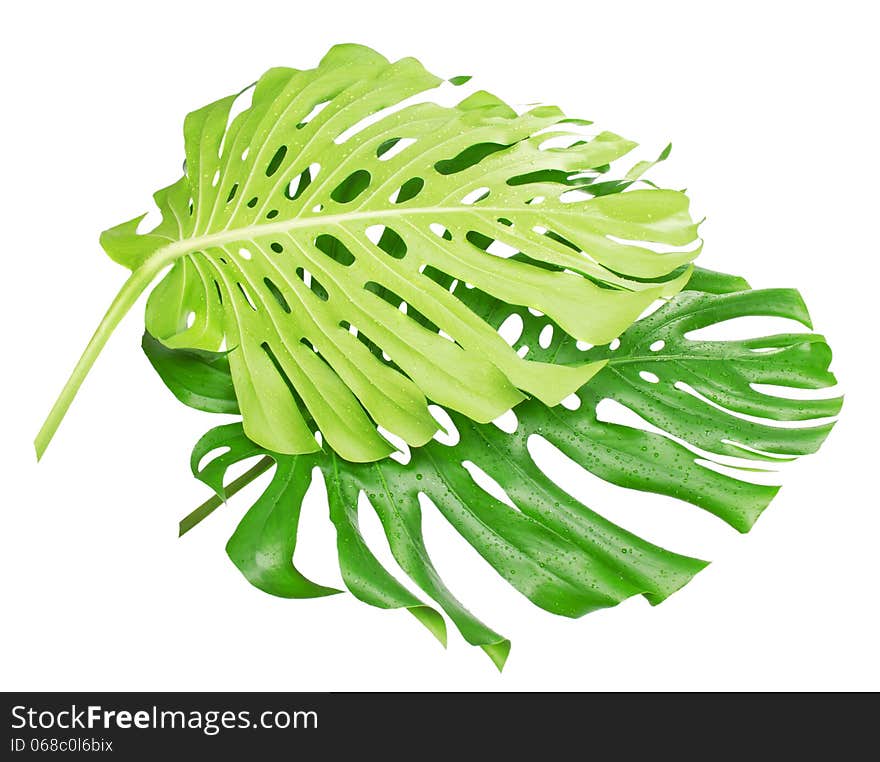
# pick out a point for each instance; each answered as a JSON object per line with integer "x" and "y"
{"x": 562, "y": 555}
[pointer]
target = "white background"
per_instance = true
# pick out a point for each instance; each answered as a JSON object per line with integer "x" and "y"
{"x": 772, "y": 108}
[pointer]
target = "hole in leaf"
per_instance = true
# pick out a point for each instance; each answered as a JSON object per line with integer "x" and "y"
{"x": 302, "y": 181}
{"x": 475, "y": 195}
{"x": 245, "y": 254}
{"x": 351, "y": 187}
{"x": 479, "y": 240}
{"x": 392, "y": 244}
{"x": 276, "y": 247}
{"x": 564, "y": 241}
{"x": 656, "y": 246}
{"x": 383, "y": 293}
{"x": 511, "y": 329}
{"x": 507, "y": 422}
{"x": 275, "y": 161}
{"x": 501, "y": 249}
{"x": 390, "y": 148}
{"x": 651, "y": 378}
{"x": 335, "y": 249}
{"x": 560, "y": 141}
{"x": 546, "y": 336}
{"x": 409, "y": 190}
{"x": 574, "y": 195}
{"x": 232, "y": 191}
{"x": 467, "y": 158}
{"x": 279, "y": 297}
{"x": 385, "y": 146}
{"x": 241, "y": 104}
{"x": 792, "y": 392}
{"x": 387, "y": 295}
{"x": 318, "y": 108}
{"x": 211, "y": 456}
{"x": 744, "y": 327}
{"x": 487, "y": 483}
{"x": 253, "y": 202}
{"x": 657, "y": 345}
{"x": 313, "y": 283}
{"x": 403, "y": 455}
{"x": 448, "y": 433}
{"x": 247, "y": 297}
{"x": 272, "y": 214}
{"x": 571, "y": 402}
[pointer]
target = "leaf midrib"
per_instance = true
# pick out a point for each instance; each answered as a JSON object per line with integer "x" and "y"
{"x": 248, "y": 232}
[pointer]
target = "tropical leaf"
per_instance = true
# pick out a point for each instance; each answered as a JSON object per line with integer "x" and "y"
{"x": 299, "y": 219}
{"x": 700, "y": 394}
{"x": 560, "y": 554}
{"x": 197, "y": 378}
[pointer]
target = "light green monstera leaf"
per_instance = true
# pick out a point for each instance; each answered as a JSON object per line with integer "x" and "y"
{"x": 298, "y": 217}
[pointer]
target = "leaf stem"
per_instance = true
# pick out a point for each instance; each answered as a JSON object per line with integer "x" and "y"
{"x": 215, "y": 501}
{"x": 132, "y": 289}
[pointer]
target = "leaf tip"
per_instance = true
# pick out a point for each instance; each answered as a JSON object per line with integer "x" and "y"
{"x": 498, "y": 653}
{"x": 688, "y": 569}
{"x": 803, "y": 313}
{"x": 432, "y": 620}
